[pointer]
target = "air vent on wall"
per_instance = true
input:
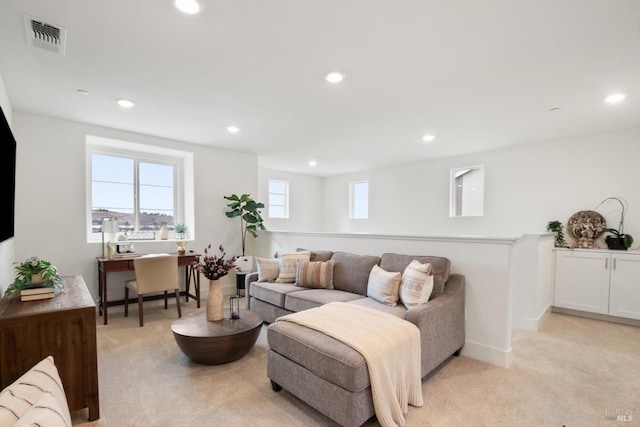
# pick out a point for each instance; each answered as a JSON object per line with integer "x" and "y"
{"x": 45, "y": 35}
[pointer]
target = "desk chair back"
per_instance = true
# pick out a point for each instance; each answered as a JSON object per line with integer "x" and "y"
{"x": 153, "y": 274}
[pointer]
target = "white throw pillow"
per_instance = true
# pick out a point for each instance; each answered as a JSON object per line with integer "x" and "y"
{"x": 267, "y": 269}
{"x": 383, "y": 286}
{"x": 417, "y": 284}
{"x": 15, "y": 399}
{"x": 45, "y": 412}
{"x": 287, "y": 265}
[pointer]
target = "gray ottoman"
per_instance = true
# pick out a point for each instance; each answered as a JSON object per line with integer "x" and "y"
{"x": 321, "y": 371}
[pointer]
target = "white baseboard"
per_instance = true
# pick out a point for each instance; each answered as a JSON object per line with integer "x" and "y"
{"x": 485, "y": 353}
{"x": 533, "y": 324}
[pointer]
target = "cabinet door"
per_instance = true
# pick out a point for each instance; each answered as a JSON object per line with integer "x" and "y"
{"x": 582, "y": 281}
{"x": 624, "y": 297}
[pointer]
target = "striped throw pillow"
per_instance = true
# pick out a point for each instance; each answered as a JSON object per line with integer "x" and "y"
{"x": 45, "y": 412}
{"x": 315, "y": 274}
{"x": 417, "y": 284}
{"x": 17, "y": 398}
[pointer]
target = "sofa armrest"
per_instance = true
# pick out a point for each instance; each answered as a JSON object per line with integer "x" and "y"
{"x": 248, "y": 279}
{"x": 441, "y": 323}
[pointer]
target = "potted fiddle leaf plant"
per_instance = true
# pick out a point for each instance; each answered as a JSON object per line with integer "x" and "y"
{"x": 617, "y": 239}
{"x": 248, "y": 211}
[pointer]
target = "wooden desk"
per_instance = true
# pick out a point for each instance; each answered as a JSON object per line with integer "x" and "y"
{"x": 63, "y": 327}
{"x": 125, "y": 263}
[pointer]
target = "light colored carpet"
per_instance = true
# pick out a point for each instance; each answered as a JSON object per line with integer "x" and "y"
{"x": 573, "y": 372}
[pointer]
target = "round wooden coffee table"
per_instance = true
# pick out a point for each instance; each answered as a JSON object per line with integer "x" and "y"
{"x": 215, "y": 343}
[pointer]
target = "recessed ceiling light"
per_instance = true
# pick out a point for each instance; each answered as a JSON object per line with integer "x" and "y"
{"x": 82, "y": 92}
{"x": 233, "y": 129}
{"x": 190, "y": 7}
{"x": 428, "y": 138}
{"x": 313, "y": 163}
{"x": 125, "y": 103}
{"x": 616, "y": 97}
{"x": 334, "y": 77}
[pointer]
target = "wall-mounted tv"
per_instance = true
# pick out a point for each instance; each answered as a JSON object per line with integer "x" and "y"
{"x": 7, "y": 178}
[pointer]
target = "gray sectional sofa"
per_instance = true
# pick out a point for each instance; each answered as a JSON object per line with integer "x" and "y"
{"x": 329, "y": 375}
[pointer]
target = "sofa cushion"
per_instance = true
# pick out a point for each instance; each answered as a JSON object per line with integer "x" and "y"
{"x": 318, "y": 255}
{"x": 399, "y": 310}
{"x": 321, "y": 354}
{"x": 383, "y": 286}
{"x": 311, "y": 298}
{"x": 441, "y": 266}
{"x": 351, "y": 271}
{"x": 417, "y": 284}
{"x": 17, "y": 398}
{"x": 288, "y": 263}
{"x": 315, "y": 274}
{"x": 273, "y": 293}
{"x": 45, "y": 412}
{"x": 267, "y": 269}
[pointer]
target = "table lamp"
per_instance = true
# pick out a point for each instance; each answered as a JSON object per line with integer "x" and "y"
{"x": 109, "y": 225}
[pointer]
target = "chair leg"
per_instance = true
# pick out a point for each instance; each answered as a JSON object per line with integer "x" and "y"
{"x": 140, "y": 309}
{"x": 165, "y": 300}
{"x": 126, "y": 302}
{"x": 178, "y": 302}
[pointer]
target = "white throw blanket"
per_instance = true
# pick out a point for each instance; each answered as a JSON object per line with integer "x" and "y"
{"x": 390, "y": 346}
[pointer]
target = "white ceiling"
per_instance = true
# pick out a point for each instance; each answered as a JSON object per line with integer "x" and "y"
{"x": 479, "y": 75}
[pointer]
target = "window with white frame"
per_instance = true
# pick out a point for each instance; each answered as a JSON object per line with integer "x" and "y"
{"x": 145, "y": 187}
{"x": 359, "y": 200}
{"x": 278, "y": 199}
{"x": 467, "y": 191}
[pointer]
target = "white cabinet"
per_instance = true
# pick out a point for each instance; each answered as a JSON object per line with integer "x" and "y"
{"x": 598, "y": 281}
{"x": 624, "y": 291}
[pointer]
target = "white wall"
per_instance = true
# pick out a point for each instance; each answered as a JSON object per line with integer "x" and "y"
{"x": 7, "y": 248}
{"x": 525, "y": 188}
{"x": 305, "y": 201}
{"x": 50, "y": 196}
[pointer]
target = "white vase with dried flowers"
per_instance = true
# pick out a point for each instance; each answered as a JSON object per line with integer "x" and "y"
{"x": 214, "y": 267}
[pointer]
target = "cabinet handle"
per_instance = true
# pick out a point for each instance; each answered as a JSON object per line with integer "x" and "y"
{"x": 606, "y": 263}
{"x": 614, "y": 263}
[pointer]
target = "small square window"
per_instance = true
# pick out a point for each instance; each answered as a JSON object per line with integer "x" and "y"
{"x": 467, "y": 191}
{"x": 359, "y": 200}
{"x": 278, "y": 199}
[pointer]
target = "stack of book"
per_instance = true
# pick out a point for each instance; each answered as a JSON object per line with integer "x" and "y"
{"x": 35, "y": 292}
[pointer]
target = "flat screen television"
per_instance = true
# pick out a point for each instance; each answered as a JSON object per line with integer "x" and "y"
{"x": 7, "y": 177}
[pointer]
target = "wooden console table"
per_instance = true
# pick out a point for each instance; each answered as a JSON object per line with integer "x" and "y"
{"x": 125, "y": 263}
{"x": 63, "y": 327}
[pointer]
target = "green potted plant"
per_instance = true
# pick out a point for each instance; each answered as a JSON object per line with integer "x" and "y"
{"x": 617, "y": 239}
{"x": 557, "y": 227}
{"x": 248, "y": 210}
{"x": 33, "y": 271}
{"x": 181, "y": 231}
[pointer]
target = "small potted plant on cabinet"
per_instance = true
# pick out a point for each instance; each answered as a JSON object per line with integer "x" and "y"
{"x": 34, "y": 271}
{"x": 617, "y": 239}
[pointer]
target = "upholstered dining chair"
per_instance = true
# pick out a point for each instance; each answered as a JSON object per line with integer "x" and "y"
{"x": 154, "y": 274}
